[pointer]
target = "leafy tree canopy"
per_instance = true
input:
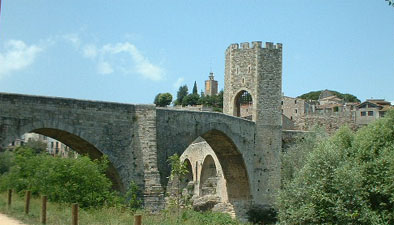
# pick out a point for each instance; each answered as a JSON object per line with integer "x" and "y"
{"x": 191, "y": 99}
{"x": 195, "y": 88}
{"x": 64, "y": 180}
{"x": 182, "y": 93}
{"x": 36, "y": 145}
{"x": 314, "y": 95}
{"x": 163, "y": 99}
{"x": 345, "y": 179}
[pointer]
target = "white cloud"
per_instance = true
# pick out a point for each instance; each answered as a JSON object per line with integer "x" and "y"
{"x": 122, "y": 58}
{"x": 17, "y": 56}
{"x": 142, "y": 65}
{"x": 178, "y": 83}
{"x": 73, "y": 38}
{"x": 90, "y": 51}
{"x": 104, "y": 68}
{"x": 392, "y": 102}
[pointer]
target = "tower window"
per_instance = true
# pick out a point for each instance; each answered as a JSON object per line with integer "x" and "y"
{"x": 249, "y": 69}
{"x": 243, "y": 80}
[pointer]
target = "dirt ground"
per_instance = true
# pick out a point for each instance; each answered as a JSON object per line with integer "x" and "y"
{"x": 5, "y": 220}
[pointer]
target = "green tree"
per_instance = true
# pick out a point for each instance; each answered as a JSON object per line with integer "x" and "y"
{"x": 391, "y": 2}
{"x": 133, "y": 200}
{"x": 214, "y": 101}
{"x": 346, "y": 179}
{"x": 36, "y": 145}
{"x": 163, "y": 99}
{"x": 314, "y": 95}
{"x": 61, "y": 179}
{"x": 195, "y": 88}
{"x": 178, "y": 172}
{"x": 6, "y": 161}
{"x": 182, "y": 93}
{"x": 191, "y": 99}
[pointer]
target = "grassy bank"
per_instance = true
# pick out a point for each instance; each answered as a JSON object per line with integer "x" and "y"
{"x": 60, "y": 214}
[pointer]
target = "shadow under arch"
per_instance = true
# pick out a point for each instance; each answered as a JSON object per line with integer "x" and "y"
{"x": 232, "y": 163}
{"x": 83, "y": 147}
{"x": 189, "y": 175}
{"x": 243, "y": 105}
{"x": 208, "y": 177}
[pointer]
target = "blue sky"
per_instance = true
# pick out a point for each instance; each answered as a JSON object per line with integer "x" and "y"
{"x": 128, "y": 51}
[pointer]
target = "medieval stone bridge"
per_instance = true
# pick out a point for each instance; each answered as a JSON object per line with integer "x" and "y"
{"x": 138, "y": 139}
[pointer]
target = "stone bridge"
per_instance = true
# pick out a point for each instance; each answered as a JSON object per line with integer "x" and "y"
{"x": 138, "y": 139}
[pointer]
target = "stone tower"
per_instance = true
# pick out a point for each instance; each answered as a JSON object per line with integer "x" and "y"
{"x": 257, "y": 71}
{"x": 211, "y": 85}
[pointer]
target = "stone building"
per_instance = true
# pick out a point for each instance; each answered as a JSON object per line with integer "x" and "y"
{"x": 57, "y": 148}
{"x": 371, "y": 110}
{"x": 293, "y": 108}
{"x": 54, "y": 147}
{"x": 211, "y": 85}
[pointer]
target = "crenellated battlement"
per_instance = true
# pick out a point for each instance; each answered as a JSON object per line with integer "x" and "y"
{"x": 255, "y": 44}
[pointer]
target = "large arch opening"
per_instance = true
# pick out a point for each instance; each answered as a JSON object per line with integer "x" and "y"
{"x": 79, "y": 145}
{"x": 188, "y": 176}
{"x": 221, "y": 180}
{"x": 243, "y": 105}
{"x": 232, "y": 163}
{"x": 208, "y": 177}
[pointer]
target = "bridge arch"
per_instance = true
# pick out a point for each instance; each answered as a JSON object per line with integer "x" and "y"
{"x": 208, "y": 177}
{"x": 232, "y": 163}
{"x": 72, "y": 140}
{"x": 189, "y": 175}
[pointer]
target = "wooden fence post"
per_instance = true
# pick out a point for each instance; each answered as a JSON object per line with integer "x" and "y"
{"x": 44, "y": 209}
{"x": 137, "y": 219}
{"x": 27, "y": 201}
{"x": 74, "y": 212}
{"x": 9, "y": 198}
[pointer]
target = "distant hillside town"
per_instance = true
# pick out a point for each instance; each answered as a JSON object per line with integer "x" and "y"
{"x": 326, "y": 108}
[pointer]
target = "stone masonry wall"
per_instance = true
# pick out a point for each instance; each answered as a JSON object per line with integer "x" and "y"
{"x": 124, "y": 132}
{"x": 258, "y": 70}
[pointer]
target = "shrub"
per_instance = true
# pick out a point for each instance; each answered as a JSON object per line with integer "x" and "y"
{"x": 346, "y": 179}
{"x": 61, "y": 179}
{"x": 6, "y": 161}
{"x": 262, "y": 214}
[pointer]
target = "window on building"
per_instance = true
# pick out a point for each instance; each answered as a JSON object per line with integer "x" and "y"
{"x": 295, "y": 101}
{"x": 296, "y": 111}
{"x": 363, "y": 113}
{"x": 249, "y": 69}
{"x": 370, "y": 113}
{"x": 281, "y": 102}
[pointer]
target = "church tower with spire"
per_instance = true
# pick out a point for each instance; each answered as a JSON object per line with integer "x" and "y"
{"x": 211, "y": 85}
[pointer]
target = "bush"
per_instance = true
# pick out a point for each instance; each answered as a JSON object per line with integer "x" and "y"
{"x": 262, "y": 214}
{"x": 61, "y": 179}
{"x": 346, "y": 179}
{"x": 6, "y": 161}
